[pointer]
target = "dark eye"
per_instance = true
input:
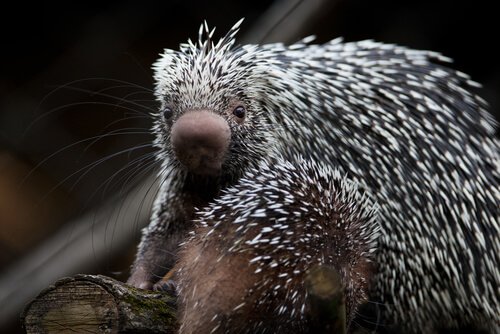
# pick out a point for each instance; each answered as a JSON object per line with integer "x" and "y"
{"x": 239, "y": 111}
{"x": 167, "y": 112}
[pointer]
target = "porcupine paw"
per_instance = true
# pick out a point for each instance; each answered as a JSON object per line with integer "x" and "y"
{"x": 140, "y": 283}
{"x": 168, "y": 286}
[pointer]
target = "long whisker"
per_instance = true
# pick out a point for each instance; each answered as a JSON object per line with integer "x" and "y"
{"x": 89, "y": 167}
{"x": 102, "y": 90}
{"x": 122, "y": 131}
{"x": 141, "y": 205}
{"x": 117, "y": 213}
{"x": 134, "y": 172}
{"x": 121, "y": 99}
{"x": 60, "y": 87}
{"x": 38, "y": 165}
{"x": 74, "y": 104}
{"x": 106, "y": 184}
{"x": 92, "y": 165}
{"x": 160, "y": 175}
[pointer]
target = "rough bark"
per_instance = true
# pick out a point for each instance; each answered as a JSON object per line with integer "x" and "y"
{"x": 99, "y": 304}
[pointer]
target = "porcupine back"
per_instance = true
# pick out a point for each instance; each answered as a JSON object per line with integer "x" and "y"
{"x": 402, "y": 124}
{"x": 408, "y": 130}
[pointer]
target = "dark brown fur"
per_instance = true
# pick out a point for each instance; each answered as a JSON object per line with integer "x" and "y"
{"x": 222, "y": 290}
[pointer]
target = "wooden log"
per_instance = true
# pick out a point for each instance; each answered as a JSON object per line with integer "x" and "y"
{"x": 99, "y": 304}
{"x": 326, "y": 301}
{"x": 79, "y": 246}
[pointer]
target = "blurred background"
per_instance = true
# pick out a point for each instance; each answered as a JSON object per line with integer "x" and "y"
{"x": 76, "y": 173}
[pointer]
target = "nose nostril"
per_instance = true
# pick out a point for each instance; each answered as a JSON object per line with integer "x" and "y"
{"x": 200, "y": 140}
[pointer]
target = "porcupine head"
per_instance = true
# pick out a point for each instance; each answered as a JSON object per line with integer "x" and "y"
{"x": 212, "y": 123}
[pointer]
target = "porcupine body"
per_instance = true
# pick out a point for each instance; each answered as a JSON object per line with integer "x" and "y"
{"x": 396, "y": 120}
{"x": 243, "y": 269}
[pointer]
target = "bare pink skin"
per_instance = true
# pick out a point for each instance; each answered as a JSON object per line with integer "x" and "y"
{"x": 200, "y": 140}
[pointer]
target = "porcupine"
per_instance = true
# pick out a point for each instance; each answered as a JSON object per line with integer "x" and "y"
{"x": 257, "y": 242}
{"x": 397, "y": 120}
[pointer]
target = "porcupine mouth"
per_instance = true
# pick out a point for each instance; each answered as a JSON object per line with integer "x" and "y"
{"x": 202, "y": 164}
{"x": 209, "y": 168}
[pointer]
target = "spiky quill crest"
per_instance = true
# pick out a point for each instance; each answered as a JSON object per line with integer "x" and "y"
{"x": 280, "y": 220}
{"x": 395, "y": 119}
{"x": 187, "y": 79}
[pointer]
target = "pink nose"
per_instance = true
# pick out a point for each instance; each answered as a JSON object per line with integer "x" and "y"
{"x": 200, "y": 140}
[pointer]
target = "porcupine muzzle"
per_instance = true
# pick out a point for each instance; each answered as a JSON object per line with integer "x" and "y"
{"x": 200, "y": 139}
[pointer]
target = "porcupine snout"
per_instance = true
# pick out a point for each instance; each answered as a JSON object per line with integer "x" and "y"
{"x": 200, "y": 140}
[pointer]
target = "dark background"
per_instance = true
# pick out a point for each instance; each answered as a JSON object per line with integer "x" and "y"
{"x": 70, "y": 72}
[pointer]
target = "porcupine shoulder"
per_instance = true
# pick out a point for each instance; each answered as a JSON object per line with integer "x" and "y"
{"x": 399, "y": 121}
{"x": 243, "y": 268}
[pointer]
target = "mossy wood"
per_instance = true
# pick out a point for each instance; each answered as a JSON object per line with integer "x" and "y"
{"x": 99, "y": 304}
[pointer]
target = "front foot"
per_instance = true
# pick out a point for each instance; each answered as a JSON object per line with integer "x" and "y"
{"x": 139, "y": 279}
{"x": 168, "y": 286}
